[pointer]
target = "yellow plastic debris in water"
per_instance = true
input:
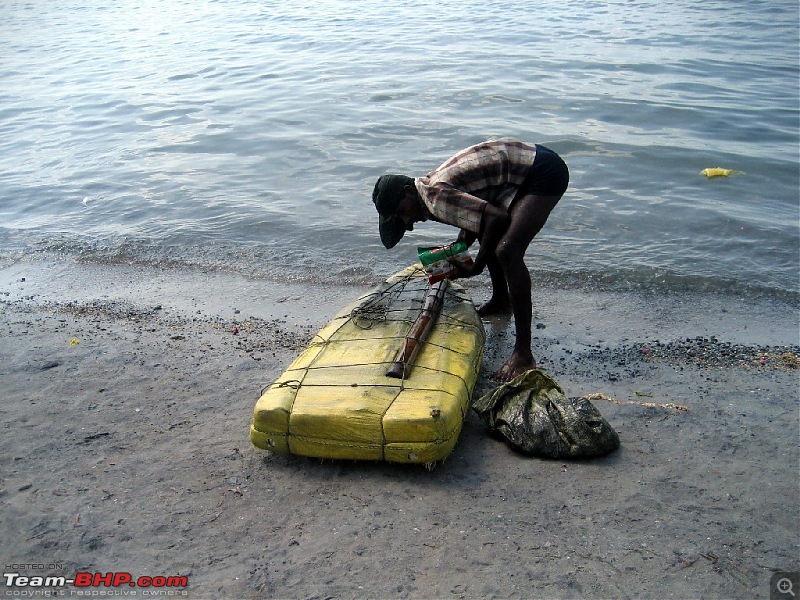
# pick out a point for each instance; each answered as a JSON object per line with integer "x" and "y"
{"x": 719, "y": 172}
{"x": 74, "y": 342}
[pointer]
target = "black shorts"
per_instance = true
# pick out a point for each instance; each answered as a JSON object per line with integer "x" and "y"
{"x": 548, "y": 176}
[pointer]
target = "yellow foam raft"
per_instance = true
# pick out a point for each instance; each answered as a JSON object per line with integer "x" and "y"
{"x": 335, "y": 400}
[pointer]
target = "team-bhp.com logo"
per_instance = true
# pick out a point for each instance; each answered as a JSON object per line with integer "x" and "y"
{"x": 93, "y": 584}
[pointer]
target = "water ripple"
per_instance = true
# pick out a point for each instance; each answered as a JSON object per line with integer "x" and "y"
{"x": 232, "y": 133}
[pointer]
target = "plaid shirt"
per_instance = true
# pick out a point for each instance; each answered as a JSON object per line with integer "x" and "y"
{"x": 491, "y": 172}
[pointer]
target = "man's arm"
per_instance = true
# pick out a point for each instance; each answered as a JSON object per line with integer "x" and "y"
{"x": 467, "y": 237}
{"x": 494, "y": 224}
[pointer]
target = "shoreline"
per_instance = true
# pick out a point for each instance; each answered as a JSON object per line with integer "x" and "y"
{"x": 583, "y": 316}
{"x": 128, "y": 394}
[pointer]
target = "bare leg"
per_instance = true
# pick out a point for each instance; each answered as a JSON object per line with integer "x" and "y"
{"x": 500, "y": 302}
{"x": 528, "y": 216}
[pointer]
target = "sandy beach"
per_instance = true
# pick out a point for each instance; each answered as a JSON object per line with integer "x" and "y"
{"x": 127, "y": 395}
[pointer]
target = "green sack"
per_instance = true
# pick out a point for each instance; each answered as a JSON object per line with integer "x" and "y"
{"x": 532, "y": 412}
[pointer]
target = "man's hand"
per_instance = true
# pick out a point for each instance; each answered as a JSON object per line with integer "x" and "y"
{"x": 463, "y": 270}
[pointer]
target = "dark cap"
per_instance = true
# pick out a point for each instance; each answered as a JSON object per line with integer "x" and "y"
{"x": 389, "y": 191}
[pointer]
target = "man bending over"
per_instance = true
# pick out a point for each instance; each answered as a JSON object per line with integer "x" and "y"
{"x": 499, "y": 192}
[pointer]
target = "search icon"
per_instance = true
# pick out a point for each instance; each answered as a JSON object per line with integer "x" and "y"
{"x": 784, "y": 586}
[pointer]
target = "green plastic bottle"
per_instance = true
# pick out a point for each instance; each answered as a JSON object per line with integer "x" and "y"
{"x": 433, "y": 254}
{"x": 436, "y": 261}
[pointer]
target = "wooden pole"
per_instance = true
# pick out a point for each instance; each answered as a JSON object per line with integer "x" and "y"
{"x": 401, "y": 368}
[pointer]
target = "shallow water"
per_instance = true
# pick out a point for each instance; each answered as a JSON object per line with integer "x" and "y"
{"x": 247, "y": 136}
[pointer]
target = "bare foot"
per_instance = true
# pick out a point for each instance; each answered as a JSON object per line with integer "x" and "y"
{"x": 516, "y": 364}
{"x": 495, "y": 307}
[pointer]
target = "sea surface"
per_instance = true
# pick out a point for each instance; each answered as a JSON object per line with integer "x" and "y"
{"x": 246, "y": 136}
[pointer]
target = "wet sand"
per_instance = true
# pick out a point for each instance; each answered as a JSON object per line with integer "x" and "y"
{"x": 127, "y": 395}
